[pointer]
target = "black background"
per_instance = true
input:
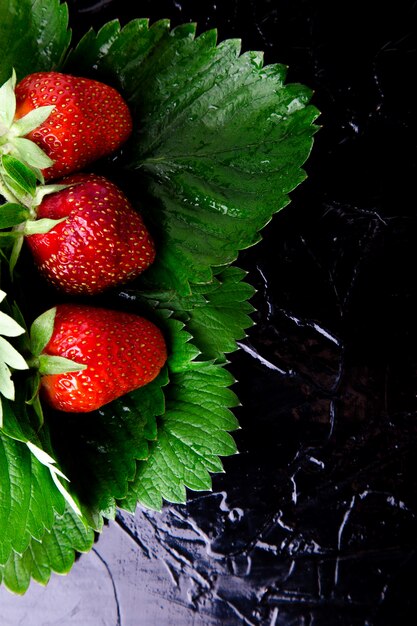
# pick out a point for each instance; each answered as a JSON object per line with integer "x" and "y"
{"x": 314, "y": 522}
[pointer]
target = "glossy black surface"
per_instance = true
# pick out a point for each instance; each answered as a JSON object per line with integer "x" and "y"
{"x": 314, "y": 522}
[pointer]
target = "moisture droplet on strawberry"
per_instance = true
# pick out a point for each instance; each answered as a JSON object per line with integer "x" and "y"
{"x": 102, "y": 243}
{"x": 122, "y": 352}
{"x": 90, "y": 119}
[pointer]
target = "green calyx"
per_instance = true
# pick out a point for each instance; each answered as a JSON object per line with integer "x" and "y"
{"x": 21, "y": 164}
{"x": 13, "y": 132}
{"x": 41, "y": 364}
{"x": 10, "y": 358}
{"x": 18, "y": 184}
{"x": 40, "y": 334}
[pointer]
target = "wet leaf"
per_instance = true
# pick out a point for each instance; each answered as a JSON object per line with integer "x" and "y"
{"x": 216, "y": 315}
{"x": 34, "y": 36}
{"x": 192, "y": 432}
{"x": 219, "y": 143}
{"x": 98, "y": 451}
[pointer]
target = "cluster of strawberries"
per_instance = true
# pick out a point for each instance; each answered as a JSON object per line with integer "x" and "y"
{"x": 97, "y": 241}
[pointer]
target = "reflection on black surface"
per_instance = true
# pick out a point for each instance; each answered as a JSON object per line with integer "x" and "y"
{"x": 314, "y": 522}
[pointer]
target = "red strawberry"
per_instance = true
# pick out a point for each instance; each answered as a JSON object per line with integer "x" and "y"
{"x": 102, "y": 243}
{"x": 122, "y": 352}
{"x": 90, "y": 119}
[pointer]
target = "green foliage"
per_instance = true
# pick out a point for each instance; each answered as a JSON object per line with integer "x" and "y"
{"x": 216, "y": 314}
{"x": 192, "y": 433}
{"x": 19, "y": 178}
{"x": 34, "y": 36}
{"x": 55, "y": 552}
{"x": 218, "y": 144}
{"x": 98, "y": 451}
{"x": 28, "y": 497}
{"x": 12, "y": 214}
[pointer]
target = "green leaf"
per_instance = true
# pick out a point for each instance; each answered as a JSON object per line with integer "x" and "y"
{"x": 216, "y": 314}
{"x": 193, "y": 430}
{"x": 218, "y": 324}
{"x": 57, "y": 475}
{"x": 219, "y": 143}
{"x": 34, "y": 36}
{"x": 21, "y": 431}
{"x": 180, "y": 349}
{"x": 18, "y": 428}
{"x": 107, "y": 53}
{"x": 19, "y": 178}
{"x": 55, "y": 552}
{"x": 98, "y": 450}
{"x": 28, "y": 497}
{"x": 12, "y": 214}
{"x": 192, "y": 434}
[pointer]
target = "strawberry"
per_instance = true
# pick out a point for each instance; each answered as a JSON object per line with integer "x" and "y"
{"x": 102, "y": 243}
{"x": 89, "y": 120}
{"x": 119, "y": 351}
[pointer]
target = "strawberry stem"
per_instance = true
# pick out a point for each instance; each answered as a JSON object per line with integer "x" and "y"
{"x": 33, "y": 362}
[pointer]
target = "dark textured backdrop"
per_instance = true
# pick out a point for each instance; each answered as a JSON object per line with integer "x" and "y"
{"x": 314, "y": 523}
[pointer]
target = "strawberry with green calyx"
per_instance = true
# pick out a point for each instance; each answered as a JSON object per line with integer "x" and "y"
{"x": 119, "y": 351}
{"x": 45, "y": 364}
{"x": 21, "y": 164}
{"x": 19, "y": 187}
{"x": 13, "y": 133}
{"x": 88, "y": 119}
{"x": 97, "y": 241}
{"x": 19, "y": 184}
